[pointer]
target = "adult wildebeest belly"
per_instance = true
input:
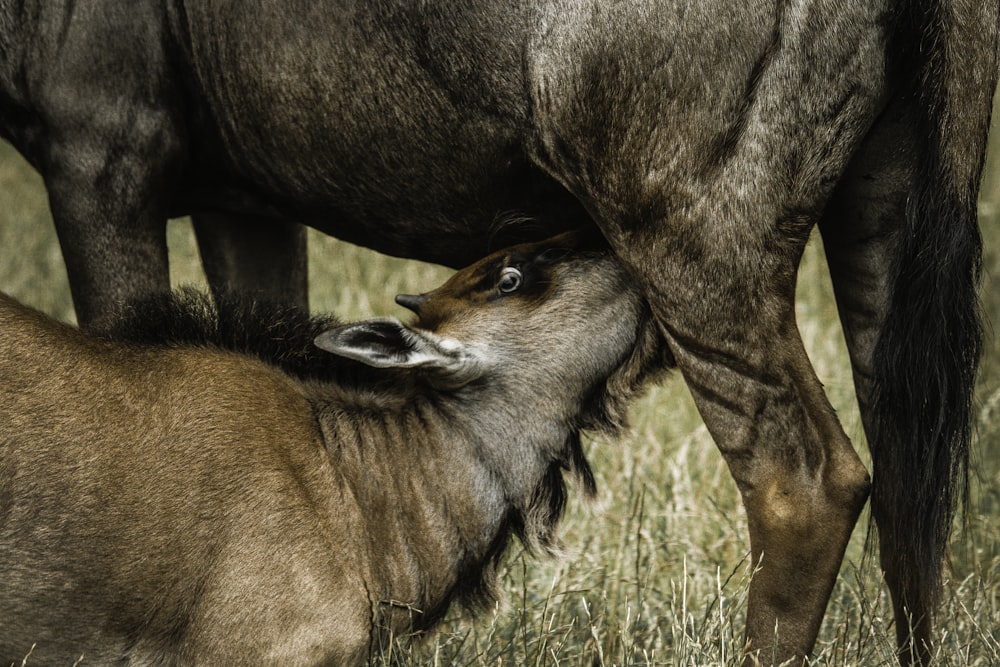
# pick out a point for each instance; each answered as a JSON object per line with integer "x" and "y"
{"x": 419, "y": 131}
{"x": 704, "y": 139}
{"x": 404, "y": 129}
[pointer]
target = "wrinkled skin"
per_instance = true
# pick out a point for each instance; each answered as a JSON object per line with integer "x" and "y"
{"x": 705, "y": 140}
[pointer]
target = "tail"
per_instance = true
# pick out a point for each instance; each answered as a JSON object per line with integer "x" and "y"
{"x": 928, "y": 349}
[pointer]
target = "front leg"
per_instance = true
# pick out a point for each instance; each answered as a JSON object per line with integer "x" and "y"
{"x": 728, "y": 314}
{"x": 109, "y": 207}
{"x": 106, "y": 134}
{"x": 255, "y": 255}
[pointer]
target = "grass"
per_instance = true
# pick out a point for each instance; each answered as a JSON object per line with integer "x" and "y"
{"x": 656, "y": 569}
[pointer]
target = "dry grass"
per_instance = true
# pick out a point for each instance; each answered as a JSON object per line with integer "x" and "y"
{"x": 656, "y": 571}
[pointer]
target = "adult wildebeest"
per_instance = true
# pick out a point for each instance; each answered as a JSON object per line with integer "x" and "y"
{"x": 175, "y": 499}
{"x": 704, "y": 139}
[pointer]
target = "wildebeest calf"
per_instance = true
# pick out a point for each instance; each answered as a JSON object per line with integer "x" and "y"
{"x": 197, "y": 491}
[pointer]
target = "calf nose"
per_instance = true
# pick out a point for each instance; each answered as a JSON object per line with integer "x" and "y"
{"x": 411, "y": 301}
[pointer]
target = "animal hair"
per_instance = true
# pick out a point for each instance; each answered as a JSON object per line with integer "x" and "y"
{"x": 277, "y": 334}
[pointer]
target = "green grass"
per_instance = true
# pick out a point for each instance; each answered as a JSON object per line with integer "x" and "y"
{"x": 656, "y": 570}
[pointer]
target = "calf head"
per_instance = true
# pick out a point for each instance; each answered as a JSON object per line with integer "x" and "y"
{"x": 560, "y": 321}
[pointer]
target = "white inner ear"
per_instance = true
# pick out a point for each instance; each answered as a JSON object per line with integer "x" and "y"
{"x": 387, "y": 343}
{"x": 454, "y": 363}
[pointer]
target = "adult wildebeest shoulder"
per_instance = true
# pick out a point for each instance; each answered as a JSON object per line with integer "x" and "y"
{"x": 704, "y": 139}
{"x": 169, "y": 501}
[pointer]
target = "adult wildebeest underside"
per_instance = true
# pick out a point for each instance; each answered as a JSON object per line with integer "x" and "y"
{"x": 704, "y": 139}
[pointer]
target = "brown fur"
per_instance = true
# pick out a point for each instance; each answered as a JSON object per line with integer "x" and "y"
{"x": 175, "y": 501}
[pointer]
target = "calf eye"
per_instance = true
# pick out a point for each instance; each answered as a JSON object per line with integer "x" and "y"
{"x": 510, "y": 280}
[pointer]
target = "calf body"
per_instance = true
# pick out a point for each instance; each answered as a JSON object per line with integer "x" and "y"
{"x": 178, "y": 502}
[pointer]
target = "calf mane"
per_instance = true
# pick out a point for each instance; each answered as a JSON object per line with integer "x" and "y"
{"x": 477, "y": 585}
{"x": 277, "y": 334}
{"x": 604, "y": 411}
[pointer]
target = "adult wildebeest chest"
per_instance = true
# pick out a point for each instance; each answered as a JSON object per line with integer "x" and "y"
{"x": 704, "y": 140}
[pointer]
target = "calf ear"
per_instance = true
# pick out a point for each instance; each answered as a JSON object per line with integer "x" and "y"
{"x": 388, "y": 343}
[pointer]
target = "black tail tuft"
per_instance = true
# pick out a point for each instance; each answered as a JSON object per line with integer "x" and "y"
{"x": 928, "y": 350}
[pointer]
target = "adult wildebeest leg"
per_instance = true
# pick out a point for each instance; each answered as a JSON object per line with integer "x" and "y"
{"x": 252, "y": 254}
{"x": 859, "y": 230}
{"x": 903, "y": 247}
{"x": 728, "y": 313}
{"x": 108, "y": 205}
{"x": 708, "y": 189}
{"x": 707, "y": 172}
{"x": 95, "y": 111}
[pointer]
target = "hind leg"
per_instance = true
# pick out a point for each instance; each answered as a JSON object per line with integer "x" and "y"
{"x": 859, "y": 227}
{"x": 728, "y": 315}
{"x": 254, "y": 254}
{"x": 864, "y": 212}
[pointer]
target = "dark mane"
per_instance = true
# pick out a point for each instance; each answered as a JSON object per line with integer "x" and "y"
{"x": 277, "y": 334}
{"x": 604, "y": 411}
{"x": 477, "y": 586}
